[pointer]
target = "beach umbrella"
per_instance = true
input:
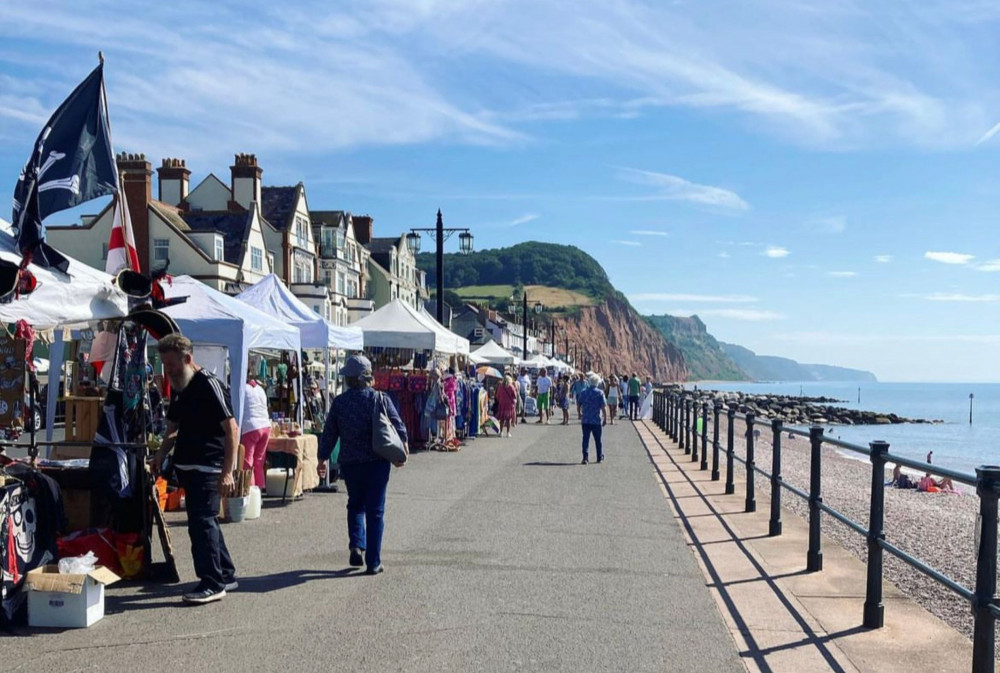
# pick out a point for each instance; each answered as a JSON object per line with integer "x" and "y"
{"x": 489, "y": 371}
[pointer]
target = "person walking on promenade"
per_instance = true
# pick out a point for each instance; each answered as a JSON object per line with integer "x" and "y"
{"x": 507, "y": 395}
{"x": 255, "y": 430}
{"x": 634, "y": 384}
{"x": 524, "y": 387}
{"x": 578, "y": 386}
{"x": 366, "y": 474}
{"x": 612, "y": 395}
{"x": 594, "y": 406}
{"x": 562, "y": 397}
{"x": 543, "y": 384}
{"x": 623, "y": 389}
{"x": 202, "y": 433}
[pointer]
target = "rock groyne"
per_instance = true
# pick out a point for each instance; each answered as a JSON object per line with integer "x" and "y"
{"x": 792, "y": 410}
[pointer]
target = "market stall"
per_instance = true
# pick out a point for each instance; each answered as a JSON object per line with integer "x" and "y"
{"x": 494, "y": 354}
{"x": 272, "y": 297}
{"x": 212, "y": 318}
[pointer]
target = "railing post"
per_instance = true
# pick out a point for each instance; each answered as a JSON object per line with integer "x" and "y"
{"x": 730, "y": 429}
{"x": 687, "y": 424}
{"x": 751, "y": 500}
{"x": 693, "y": 437}
{"x": 814, "y": 557}
{"x": 682, "y": 424}
{"x": 717, "y": 408}
{"x": 774, "y": 526}
{"x": 704, "y": 435}
{"x": 672, "y": 416}
{"x": 984, "y": 633}
{"x": 874, "y": 615}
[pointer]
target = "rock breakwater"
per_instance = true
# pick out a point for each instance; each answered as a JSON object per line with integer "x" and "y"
{"x": 792, "y": 410}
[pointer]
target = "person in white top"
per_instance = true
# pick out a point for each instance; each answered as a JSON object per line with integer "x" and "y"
{"x": 524, "y": 389}
{"x": 255, "y": 431}
{"x": 544, "y": 384}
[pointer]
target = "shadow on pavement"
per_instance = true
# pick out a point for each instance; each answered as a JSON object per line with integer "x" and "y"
{"x": 546, "y": 463}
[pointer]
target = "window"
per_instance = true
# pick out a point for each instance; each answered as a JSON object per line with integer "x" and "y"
{"x": 341, "y": 237}
{"x": 161, "y": 249}
{"x": 328, "y": 278}
{"x": 316, "y": 309}
{"x": 104, "y": 251}
{"x": 256, "y": 259}
{"x": 270, "y": 262}
{"x": 220, "y": 249}
{"x": 340, "y": 283}
{"x": 352, "y": 289}
{"x": 301, "y": 231}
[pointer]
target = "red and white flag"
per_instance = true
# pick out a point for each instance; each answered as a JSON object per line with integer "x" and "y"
{"x": 121, "y": 245}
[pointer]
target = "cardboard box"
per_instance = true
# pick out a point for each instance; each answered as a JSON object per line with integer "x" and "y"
{"x": 66, "y": 601}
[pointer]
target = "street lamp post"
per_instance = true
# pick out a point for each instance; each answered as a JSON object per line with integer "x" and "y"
{"x": 441, "y": 234}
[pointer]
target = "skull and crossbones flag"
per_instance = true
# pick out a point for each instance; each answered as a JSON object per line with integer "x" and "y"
{"x": 72, "y": 162}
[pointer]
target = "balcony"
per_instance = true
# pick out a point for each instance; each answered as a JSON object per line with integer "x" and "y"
{"x": 330, "y": 252}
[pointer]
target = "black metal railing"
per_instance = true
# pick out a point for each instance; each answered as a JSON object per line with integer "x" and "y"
{"x": 672, "y": 413}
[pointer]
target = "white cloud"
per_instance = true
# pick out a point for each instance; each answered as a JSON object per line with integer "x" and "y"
{"x": 748, "y": 315}
{"x": 776, "y": 252}
{"x": 842, "y": 274}
{"x": 958, "y": 297}
{"x": 724, "y": 255}
{"x": 648, "y": 232}
{"x": 629, "y": 243}
{"x": 992, "y": 265}
{"x": 989, "y": 134}
{"x": 524, "y": 219}
{"x": 674, "y": 188}
{"x": 883, "y": 259}
{"x": 949, "y": 257}
{"x": 711, "y": 298}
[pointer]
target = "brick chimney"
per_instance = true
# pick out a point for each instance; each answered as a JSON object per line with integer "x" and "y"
{"x": 173, "y": 177}
{"x": 137, "y": 174}
{"x": 246, "y": 180}
{"x": 363, "y": 229}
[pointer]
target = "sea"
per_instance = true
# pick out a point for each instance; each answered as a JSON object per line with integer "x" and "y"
{"x": 956, "y": 443}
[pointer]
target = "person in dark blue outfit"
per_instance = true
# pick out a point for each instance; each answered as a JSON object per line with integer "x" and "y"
{"x": 593, "y": 410}
{"x": 366, "y": 475}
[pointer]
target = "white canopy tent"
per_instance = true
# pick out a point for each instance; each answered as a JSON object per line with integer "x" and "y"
{"x": 494, "y": 353}
{"x": 272, "y": 297}
{"x": 212, "y": 318}
{"x": 399, "y": 325}
{"x": 81, "y": 295}
{"x": 461, "y": 343}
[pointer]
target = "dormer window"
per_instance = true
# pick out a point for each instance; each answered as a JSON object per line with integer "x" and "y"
{"x": 220, "y": 249}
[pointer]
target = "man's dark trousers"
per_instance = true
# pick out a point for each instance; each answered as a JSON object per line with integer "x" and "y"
{"x": 596, "y": 430}
{"x": 212, "y": 563}
{"x": 633, "y": 407}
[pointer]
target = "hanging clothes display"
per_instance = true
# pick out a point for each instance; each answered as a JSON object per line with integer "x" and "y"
{"x": 116, "y": 498}
{"x": 408, "y": 391}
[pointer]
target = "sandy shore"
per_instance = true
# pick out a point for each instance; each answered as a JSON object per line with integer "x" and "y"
{"x": 938, "y": 528}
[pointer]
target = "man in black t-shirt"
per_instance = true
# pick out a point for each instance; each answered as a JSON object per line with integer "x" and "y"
{"x": 203, "y": 435}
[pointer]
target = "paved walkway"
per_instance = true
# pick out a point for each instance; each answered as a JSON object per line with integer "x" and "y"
{"x": 781, "y": 617}
{"x": 507, "y": 556}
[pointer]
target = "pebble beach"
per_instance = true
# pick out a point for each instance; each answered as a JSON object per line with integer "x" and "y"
{"x": 938, "y": 528}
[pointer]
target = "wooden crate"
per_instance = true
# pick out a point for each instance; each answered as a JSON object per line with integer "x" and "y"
{"x": 82, "y": 415}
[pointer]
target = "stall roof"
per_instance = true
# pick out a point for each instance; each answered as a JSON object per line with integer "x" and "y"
{"x": 271, "y": 296}
{"x": 399, "y": 325}
{"x": 495, "y": 353}
{"x": 461, "y": 343}
{"x": 75, "y": 298}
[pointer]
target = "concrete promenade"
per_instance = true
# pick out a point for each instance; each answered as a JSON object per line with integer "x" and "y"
{"x": 506, "y": 556}
{"x": 782, "y": 617}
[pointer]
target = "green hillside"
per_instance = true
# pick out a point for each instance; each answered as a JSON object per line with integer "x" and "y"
{"x": 530, "y": 263}
{"x": 704, "y": 356}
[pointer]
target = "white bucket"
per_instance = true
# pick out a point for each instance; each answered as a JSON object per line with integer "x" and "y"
{"x": 253, "y": 507}
{"x": 275, "y": 479}
{"x": 236, "y": 508}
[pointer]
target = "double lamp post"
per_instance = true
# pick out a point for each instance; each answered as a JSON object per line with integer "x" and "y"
{"x": 441, "y": 234}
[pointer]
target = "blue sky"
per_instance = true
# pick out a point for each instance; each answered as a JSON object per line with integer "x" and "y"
{"x": 815, "y": 179}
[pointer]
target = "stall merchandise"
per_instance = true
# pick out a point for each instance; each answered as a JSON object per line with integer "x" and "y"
{"x": 408, "y": 391}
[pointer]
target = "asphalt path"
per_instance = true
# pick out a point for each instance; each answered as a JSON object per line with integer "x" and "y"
{"x": 506, "y": 556}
